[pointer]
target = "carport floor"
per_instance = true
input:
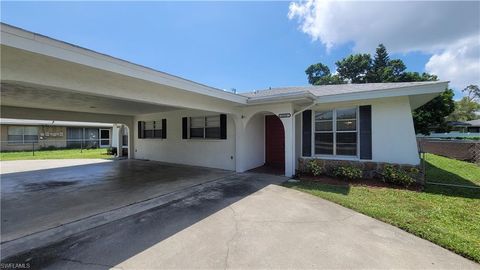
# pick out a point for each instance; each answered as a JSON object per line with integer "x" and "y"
{"x": 40, "y": 199}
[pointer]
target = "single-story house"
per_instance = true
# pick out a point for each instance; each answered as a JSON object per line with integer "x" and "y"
{"x": 473, "y": 126}
{"x": 24, "y": 134}
{"x": 458, "y": 129}
{"x": 176, "y": 120}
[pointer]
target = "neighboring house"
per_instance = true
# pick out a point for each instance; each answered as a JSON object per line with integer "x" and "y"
{"x": 473, "y": 126}
{"x": 175, "y": 120}
{"x": 458, "y": 129}
{"x": 18, "y": 134}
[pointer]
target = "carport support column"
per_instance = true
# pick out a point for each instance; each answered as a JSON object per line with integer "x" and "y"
{"x": 240, "y": 141}
{"x": 289, "y": 126}
{"x": 119, "y": 128}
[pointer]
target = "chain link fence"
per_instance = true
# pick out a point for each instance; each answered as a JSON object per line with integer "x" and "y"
{"x": 35, "y": 145}
{"x": 466, "y": 150}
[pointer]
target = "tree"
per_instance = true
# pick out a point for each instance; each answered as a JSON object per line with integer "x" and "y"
{"x": 473, "y": 92}
{"x": 392, "y": 72}
{"x": 354, "y": 68}
{"x": 466, "y": 108}
{"x": 432, "y": 114}
{"x": 381, "y": 59}
{"x": 319, "y": 74}
{"x": 316, "y": 72}
{"x": 359, "y": 68}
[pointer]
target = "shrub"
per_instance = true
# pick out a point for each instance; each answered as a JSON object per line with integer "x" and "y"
{"x": 397, "y": 176}
{"x": 111, "y": 151}
{"x": 315, "y": 167}
{"x": 348, "y": 172}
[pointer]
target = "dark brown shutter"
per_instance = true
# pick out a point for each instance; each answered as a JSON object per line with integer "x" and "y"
{"x": 307, "y": 133}
{"x": 164, "y": 128}
{"x": 141, "y": 129}
{"x": 366, "y": 132}
{"x": 185, "y": 128}
{"x": 223, "y": 126}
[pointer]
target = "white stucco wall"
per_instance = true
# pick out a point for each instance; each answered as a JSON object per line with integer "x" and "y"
{"x": 255, "y": 146}
{"x": 174, "y": 149}
{"x": 393, "y": 134}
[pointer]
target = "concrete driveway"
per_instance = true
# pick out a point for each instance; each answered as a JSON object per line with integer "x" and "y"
{"x": 37, "y": 195}
{"x": 246, "y": 221}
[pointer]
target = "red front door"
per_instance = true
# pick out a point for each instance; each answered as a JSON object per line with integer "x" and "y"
{"x": 274, "y": 142}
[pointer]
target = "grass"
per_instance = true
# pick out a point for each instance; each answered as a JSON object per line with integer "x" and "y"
{"x": 451, "y": 171}
{"x": 447, "y": 216}
{"x": 55, "y": 154}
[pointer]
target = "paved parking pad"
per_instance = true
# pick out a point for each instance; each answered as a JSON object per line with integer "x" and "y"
{"x": 45, "y": 195}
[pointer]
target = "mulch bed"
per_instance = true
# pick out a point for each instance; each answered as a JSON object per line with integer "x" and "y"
{"x": 374, "y": 183}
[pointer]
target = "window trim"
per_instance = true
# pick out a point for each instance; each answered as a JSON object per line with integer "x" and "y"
{"x": 189, "y": 127}
{"x": 23, "y": 135}
{"x": 334, "y": 131}
{"x": 155, "y": 122}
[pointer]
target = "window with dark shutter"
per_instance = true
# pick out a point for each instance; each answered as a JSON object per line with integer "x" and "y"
{"x": 205, "y": 127}
{"x": 164, "y": 128}
{"x": 307, "y": 133}
{"x": 336, "y": 132}
{"x": 365, "y": 132}
{"x": 141, "y": 129}
{"x": 185, "y": 128}
{"x": 150, "y": 129}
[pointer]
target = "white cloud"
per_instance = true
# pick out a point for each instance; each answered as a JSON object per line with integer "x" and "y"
{"x": 459, "y": 63}
{"x": 447, "y": 29}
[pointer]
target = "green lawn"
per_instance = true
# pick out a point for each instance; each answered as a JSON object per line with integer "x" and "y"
{"x": 447, "y": 216}
{"x": 55, "y": 154}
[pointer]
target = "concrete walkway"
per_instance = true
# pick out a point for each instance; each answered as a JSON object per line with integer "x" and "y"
{"x": 247, "y": 221}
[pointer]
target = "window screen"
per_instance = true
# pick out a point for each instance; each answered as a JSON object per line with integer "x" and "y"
{"x": 336, "y": 132}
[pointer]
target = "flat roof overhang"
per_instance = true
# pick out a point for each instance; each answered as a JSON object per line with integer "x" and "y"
{"x": 35, "y": 80}
{"x": 35, "y": 43}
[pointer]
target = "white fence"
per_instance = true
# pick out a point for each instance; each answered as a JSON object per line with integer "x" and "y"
{"x": 451, "y": 135}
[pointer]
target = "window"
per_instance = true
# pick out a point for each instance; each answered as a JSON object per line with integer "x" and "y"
{"x": 205, "y": 127}
{"x": 336, "y": 132}
{"x": 22, "y": 135}
{"x": 152, "y": 129}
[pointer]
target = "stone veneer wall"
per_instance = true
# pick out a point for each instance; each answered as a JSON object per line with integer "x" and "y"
{"x": 370, "y": 169}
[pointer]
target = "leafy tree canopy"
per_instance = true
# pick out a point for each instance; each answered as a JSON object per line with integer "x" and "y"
{"x": 360, "y": 68}
{"x": 432, "y": 114}
{"x": 466, "y": 108}
{"x": 354, "y": 68}
{"x": 473, "y": 92}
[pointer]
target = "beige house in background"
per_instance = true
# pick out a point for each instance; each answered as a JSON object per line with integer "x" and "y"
{"x": 19, "y": 134}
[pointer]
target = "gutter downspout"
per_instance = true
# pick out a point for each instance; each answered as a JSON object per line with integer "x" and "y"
{"x": 306, "y": 108}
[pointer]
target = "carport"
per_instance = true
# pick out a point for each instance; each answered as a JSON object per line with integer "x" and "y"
{"x": 46, "y": 79}
{"x": 50, "y": 80}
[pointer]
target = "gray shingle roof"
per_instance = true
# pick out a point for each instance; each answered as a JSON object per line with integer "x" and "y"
{"x": 327, "y": 90}
{"x": 475, "y": 123}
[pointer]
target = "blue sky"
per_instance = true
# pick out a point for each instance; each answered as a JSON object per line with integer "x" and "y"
{"x": 242, "y": 45}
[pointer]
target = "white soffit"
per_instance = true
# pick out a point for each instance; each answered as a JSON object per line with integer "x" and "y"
{"x": 36, "y": 43}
